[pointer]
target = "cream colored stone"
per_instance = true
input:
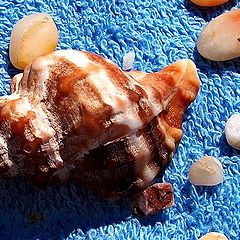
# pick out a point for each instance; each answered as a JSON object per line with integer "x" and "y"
{"x": 31, "y": 37}
{"x": 220, "y": 39}
{"x": 206, "y": 171}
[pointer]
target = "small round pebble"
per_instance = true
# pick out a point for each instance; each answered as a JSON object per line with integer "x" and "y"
{"x": 207, "y": 171}
{"x": 232, "y": 131}
{"x": 213, "y": 236}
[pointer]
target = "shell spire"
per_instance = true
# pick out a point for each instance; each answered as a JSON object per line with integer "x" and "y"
{"x": 131, "y": 164}
{"x": 76, "y": 114}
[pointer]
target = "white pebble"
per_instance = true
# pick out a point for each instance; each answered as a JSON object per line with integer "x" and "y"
{"x": 232, "y": 131}
{"x": 207, "y": 171}
{"x": 213, "y": 236}
{"x": 219, "y": 40}
{"x": 128, "y": 61}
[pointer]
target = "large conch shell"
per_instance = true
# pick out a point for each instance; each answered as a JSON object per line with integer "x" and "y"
{"x": 74, "y": 114}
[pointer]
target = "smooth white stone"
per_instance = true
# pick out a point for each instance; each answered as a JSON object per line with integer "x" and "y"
{"x": 206, "y": 171}
{"x": 232, "y": 131}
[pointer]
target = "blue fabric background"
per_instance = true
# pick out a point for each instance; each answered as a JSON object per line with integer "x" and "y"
{"x": 160, "y": 32}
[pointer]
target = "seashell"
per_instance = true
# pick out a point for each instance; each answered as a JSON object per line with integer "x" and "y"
{"x": 232, "y": 131}
{"x": 154, "y": 199}
{"x": 214, "y": 236}
{"x": 31, "y": 37}
{"x": 219, "y": 40}
{"x": 209, "y": 3}
{"x": 76, "y": 115}
{"x": 206, "y": 171}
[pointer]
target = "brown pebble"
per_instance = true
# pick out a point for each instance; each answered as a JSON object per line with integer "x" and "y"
{"x": 35, "y": 217}
{"x": 154, "y": 199}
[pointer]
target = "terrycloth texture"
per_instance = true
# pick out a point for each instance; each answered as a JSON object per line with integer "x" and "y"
{"x": 160, "y": 32}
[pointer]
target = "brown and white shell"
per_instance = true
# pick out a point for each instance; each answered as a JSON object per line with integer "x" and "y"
{"x": 74, "y": 114}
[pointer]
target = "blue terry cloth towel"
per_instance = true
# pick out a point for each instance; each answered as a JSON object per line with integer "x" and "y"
{"x": 159, "y": 32}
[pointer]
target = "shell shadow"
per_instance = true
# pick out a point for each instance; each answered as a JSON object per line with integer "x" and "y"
{"x": 53, "y": 212}
{"x": 59, "y": 211}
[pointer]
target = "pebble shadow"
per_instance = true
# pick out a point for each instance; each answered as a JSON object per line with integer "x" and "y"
{"x": 212, "y": 67}
{"x": 225, "y": 149}
{"x": 10, "y": 69}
